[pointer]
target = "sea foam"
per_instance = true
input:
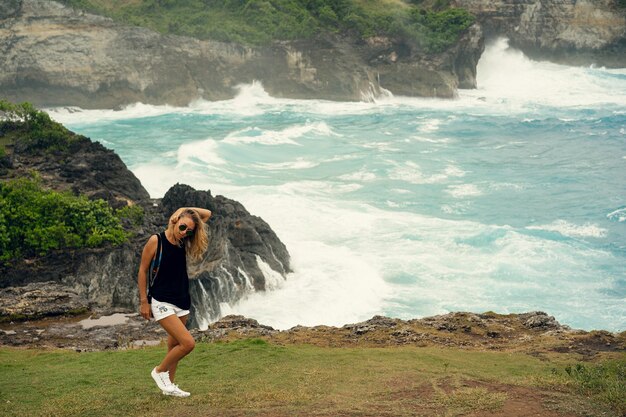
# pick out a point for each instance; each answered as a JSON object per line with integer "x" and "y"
{"x": 572, "y": 230}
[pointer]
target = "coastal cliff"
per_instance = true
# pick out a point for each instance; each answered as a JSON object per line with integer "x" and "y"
{"x": 53, "y": 55}
{"x": 244, "y": 253}
{"x": 577, "y": 32}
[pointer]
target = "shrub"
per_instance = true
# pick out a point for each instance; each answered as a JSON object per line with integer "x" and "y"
{"x": 131, "y": 214}
{"x": 35, "y": 221}
{"x": 32, "y": 129}
{"x": 443, "y": 28}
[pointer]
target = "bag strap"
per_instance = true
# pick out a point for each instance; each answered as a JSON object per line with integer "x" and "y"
{"x": 155, "y": 263}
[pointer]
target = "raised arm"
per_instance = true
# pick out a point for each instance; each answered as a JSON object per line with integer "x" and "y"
{"x": 205, "y": 214}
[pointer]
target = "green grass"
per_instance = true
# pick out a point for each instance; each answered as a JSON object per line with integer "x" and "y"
{"x": 605, "y": 381}
{"x": 252, "y": 377}
{"x": 433, "y": 27}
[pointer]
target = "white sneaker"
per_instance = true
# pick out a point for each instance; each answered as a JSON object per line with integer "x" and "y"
{"x": 162, "y": 380}
{"x": 177, "y": 392}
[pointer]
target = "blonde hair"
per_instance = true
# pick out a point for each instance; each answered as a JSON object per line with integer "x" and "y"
{"x": 197, "y": 244}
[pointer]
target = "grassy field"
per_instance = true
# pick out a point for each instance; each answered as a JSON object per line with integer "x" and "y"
{"x": 254, "y": 378}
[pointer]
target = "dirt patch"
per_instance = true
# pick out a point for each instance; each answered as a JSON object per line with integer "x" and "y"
{"x": 462, "y": 397}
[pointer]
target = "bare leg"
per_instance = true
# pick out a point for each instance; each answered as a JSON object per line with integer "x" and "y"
{"x": 176, "y": 330}
{"x": 171, "y": 344}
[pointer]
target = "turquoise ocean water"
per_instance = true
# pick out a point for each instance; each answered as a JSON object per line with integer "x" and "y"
{"x": 510, "y": 198}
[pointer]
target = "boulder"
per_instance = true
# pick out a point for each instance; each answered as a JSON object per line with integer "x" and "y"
{"x": 38, "y": 300}
{"x": 539, "y": 320}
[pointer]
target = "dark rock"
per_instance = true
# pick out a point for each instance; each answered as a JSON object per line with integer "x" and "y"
{"x": 235, "y": 322}
{"x": 244, "y": 252}
{"x": 375, "y": 323}
{"x": 450, "y": 327}
{"x": 238, "y": 324}
{"x": 85, "y": 168}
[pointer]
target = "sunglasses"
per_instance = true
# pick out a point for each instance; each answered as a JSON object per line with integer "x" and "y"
{"x": 183, "y": 227}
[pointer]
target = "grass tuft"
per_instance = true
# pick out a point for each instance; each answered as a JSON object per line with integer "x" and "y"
{"x": 467, "y": 400}
{"x": 604, "y": 382}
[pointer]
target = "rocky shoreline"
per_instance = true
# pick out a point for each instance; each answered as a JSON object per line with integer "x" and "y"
{"x": 61, "y": 320}
{"x": 535, "y": 333}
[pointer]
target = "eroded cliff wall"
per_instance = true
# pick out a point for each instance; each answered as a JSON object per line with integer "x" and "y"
{"x": 578, "y": 32}
{"x": 52, "y": 55}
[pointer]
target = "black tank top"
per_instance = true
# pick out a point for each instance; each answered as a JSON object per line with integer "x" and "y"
{"x": 172, "y": 282}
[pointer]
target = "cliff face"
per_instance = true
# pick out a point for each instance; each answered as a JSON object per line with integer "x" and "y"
{"x": 578, "y": 32}
{"x": 53, "y": 55}
{"x": 244, "y": 254}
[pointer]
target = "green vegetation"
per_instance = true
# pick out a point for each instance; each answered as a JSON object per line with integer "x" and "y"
{"x": 35, "y": 221}
{"x": 606, "y": 382}
{"x": 432, "y": 27}
{"x": 32, "y": 130}
{"x": 255, "y": 378}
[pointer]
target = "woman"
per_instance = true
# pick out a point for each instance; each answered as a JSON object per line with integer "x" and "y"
{"x": 186, "y": 235}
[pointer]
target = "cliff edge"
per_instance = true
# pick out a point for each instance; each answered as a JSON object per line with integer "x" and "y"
{"x": 53, "y": 55}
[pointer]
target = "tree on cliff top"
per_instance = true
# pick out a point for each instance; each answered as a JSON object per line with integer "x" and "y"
{"x": 263, "y": 21}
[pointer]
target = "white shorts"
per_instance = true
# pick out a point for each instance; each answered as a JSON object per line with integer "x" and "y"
{"x": 162, "y": 310}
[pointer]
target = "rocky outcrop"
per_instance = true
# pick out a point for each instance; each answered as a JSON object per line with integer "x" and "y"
{"x": 244, "y": 254}
{"x": 579, "y": 32}
{"x": 38, "y": 300}
{"x": 86, "y": 168}
{"x": 53, "y": 55}
{"x": 488, "y": 331}
{"x": 405, "y": 70}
